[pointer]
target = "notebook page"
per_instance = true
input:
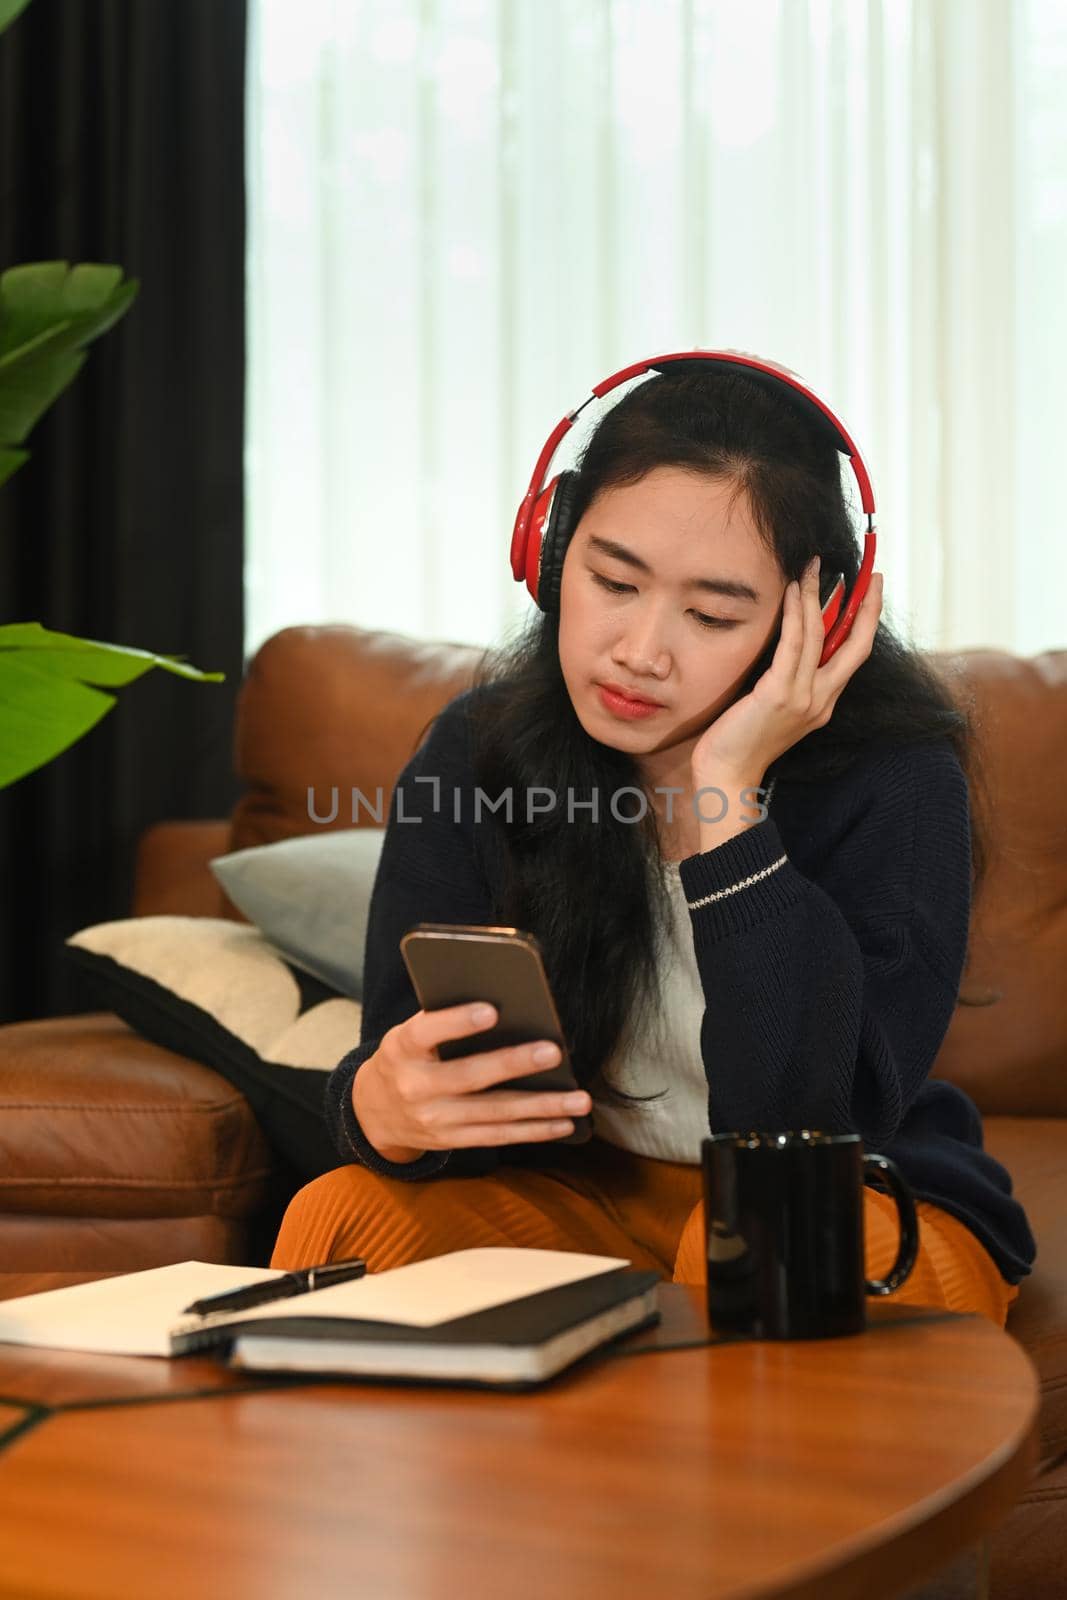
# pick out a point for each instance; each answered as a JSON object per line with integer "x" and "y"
{"x": 130, "y": 1315}
{"x": 453, "y": 1285}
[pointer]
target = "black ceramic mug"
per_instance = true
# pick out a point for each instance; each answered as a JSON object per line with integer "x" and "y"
{"x": 784, "y": 1233}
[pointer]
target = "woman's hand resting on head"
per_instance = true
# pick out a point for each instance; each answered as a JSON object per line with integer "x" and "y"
{"x": 795, "y": 695}
{"x": 407, "y": 1100}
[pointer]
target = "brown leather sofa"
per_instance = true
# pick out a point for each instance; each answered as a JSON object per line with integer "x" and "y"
{"x": 116, "y": 1154}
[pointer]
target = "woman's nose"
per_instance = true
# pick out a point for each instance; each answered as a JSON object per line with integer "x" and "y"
{"x": 643, "y": 655}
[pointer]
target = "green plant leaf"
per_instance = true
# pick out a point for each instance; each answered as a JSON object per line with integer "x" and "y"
{"x": 10, "y": 461}
{"x": 90, "y": 659}
{"x": 9, "y": 10}
{"x": 41, "y": 716}
{"x": 50, "y": 694}
{"x": 44, "y": 295}
{"x": 28, "y": 387}
{"x": 49, "y": 312}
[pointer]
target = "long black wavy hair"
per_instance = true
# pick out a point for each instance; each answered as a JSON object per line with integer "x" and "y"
{"x": 594, "y": 895}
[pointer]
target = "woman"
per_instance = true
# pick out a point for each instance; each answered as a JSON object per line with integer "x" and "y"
{"x": 760, "y": 922}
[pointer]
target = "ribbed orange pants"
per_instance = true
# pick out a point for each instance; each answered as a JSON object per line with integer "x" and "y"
{"x": 602, "y": 1200}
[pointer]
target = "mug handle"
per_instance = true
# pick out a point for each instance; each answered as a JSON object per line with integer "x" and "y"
{"x": 909, "y": 1224}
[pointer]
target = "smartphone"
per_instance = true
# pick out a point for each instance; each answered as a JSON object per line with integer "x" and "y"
{"x": 451, "y": 964}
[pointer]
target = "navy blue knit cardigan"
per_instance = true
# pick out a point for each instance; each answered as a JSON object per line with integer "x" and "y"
{"x": 830, "y": 939}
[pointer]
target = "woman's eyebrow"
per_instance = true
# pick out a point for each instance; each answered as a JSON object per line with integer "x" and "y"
{"x": 732, "y": 588}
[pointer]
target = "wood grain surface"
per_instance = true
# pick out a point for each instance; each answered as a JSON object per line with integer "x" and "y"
{"x": 818, "y": 1469}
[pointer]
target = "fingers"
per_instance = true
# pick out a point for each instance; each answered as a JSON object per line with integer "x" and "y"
{"x": 510, "y": 1133}
{"x": 814, "y": 636}
{"x": 502, "y": 1116}
{"x": 464, "y": 1075}
{"x": 450, "y": 1106}
{"x": 804, "y": 636}
{"x": 467, "y": 1074}
{"x": 857, "y": 647}
{"x": 503, "y": 1105}
{"x": 789, "y": 657}
{"x": 427, "y": 1103}
{"x": 427, "y": 1029}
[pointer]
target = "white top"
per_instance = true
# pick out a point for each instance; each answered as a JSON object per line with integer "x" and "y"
{"x": 665, "y": 1055}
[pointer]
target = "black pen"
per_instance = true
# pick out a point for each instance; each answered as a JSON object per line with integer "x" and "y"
{"x": 302, "y": 1282}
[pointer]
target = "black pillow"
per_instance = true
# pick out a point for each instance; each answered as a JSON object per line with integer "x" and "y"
{"x": 219, "y": 992}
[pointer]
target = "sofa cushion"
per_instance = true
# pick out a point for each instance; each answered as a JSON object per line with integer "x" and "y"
{"x": 1007, "y": 1052}
{"x": 331, "y": 709}
{"x": 220, "y": 993}
{"x": 311, "y": 898}
{"x": 97, "y": 1123}
{"x": 1032, "y": 1150}
{"x": 133, "y": 1244}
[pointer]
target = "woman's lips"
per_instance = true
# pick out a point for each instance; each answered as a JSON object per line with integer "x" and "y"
{"x": 620, "y": 706}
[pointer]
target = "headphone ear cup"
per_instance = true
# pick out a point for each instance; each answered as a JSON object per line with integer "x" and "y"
{"x": 555, "y": 538}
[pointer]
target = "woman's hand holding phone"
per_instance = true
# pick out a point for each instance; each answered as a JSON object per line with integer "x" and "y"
{"x": 408, "y": 1100}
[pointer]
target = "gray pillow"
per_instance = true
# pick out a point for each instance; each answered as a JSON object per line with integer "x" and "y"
{"x": 310, "y": 897}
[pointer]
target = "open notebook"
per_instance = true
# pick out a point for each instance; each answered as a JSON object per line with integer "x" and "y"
{"x": 494, "y": 1315}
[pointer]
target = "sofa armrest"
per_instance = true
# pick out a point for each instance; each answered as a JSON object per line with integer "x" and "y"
{"x": 172, "y": 876}
{"x": 119, "y": 1155}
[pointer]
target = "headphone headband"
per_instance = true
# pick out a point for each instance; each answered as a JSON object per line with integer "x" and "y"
{"x": 523, "y": 548}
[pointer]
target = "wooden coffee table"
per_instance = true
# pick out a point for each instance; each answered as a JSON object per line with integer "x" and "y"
{"x": 725, "y": 1472}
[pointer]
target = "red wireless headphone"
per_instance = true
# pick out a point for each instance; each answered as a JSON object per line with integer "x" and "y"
{"x": 545, "y": 521}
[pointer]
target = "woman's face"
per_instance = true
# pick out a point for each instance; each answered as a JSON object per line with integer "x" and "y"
{"x": 642, "y": 607}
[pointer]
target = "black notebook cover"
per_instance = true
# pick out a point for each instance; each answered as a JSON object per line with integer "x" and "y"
{"x": 525, "y": 1323}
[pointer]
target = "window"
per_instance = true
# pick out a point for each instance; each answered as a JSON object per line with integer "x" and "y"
{"x": 463, "y": 213}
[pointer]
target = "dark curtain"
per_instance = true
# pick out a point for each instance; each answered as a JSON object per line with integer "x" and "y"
{"x": 122, "y": 140}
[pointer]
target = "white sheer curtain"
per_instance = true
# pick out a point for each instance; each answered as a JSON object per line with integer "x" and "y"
{"x": 463, "y": 213}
